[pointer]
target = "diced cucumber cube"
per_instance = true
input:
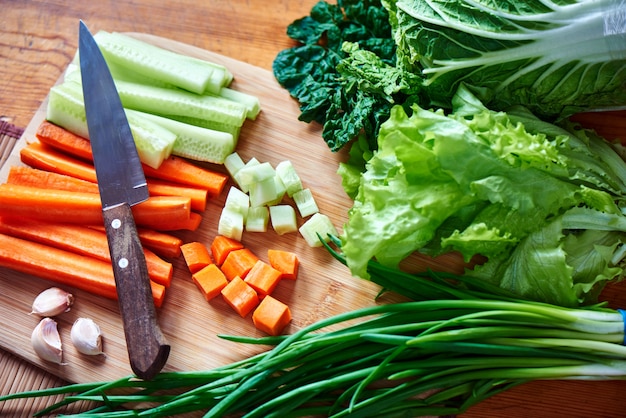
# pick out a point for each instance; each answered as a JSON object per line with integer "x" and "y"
{"x": 237, "y": 201}
{"x": 233, "y": 164}
{"x": 280, "y": 192}
{"x": 283, "y": 218}
{"x": 305, "y": 202}
{"x": 231, "y": 224}
{"x": 257, "y": 219}
{"x": 251, "y": 162}
{"x": 289, "y": 177}
{"x": 263, "y": 192}
{"x": 317, "y": 224}
{"x": 256, "y": 173}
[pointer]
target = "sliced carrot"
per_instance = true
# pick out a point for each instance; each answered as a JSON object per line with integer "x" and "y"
{"x": 64, "y": 267}
{"x": 63, "y": 140}
{"x": 284, "y": 261}
{"x": 43, "y": 157}
{"x": 263, "y": 278}
{"x": 174, "y": 169}
{"x": 240, "y": 296}
{"x": 222, "y": 246}
{"x": 179, "y": 170}
{"x": 196, "y": 255}
{"x": 85, "y": 208}
{"x": 29, "y": 176}
{"x": 271, "y": 316}
{"x": 239, "y": 263}
{"x": 81, "y": 240}
{"x": 163, "y": 244}
{"x": 191, "y": 223}
{"x": 198, "y": 196}
{"x": 210, "y": 281}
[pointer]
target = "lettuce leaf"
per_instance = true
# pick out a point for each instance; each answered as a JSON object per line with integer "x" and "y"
{"x": 478, "y": 182}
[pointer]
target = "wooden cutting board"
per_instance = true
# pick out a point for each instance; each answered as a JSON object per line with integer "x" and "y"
{"x": 324, "y": 286}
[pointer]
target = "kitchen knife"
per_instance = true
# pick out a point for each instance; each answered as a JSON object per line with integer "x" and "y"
{"x": 122, "y": 184}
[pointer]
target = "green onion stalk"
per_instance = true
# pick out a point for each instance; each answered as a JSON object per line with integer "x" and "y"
{"x": 453, "y": 344}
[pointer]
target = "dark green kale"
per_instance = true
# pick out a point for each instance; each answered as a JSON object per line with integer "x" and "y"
{"x": 343, "y": 74}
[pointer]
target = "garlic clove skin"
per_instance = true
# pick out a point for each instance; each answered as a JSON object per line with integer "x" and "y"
{"x": 46, "y": 341}
{"x": 86, "y": 337}
{"x": 52, "y": 302}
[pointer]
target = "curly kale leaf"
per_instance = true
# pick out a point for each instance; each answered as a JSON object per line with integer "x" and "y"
{"x": 323, "y": 76}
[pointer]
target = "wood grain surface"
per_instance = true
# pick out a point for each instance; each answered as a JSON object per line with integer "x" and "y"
{"x": 37, "y": 41}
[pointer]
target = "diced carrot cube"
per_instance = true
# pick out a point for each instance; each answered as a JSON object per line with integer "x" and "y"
{"x": 222, "y": 246}
{"x": 263, "y": 278}
{"x": 239, "y": 263}
{"x": 271, "y": 316}
{"x": 284, "y": 261}
{"x": 196, "y": 256}
{"x": 240, "y": 296}
{"x": 210, "y": 281}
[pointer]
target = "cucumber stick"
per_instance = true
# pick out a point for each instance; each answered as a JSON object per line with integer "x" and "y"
{"x": 195, "y": 142}
{"x": 186, "y": 72}
{"x": 66, "y": 108}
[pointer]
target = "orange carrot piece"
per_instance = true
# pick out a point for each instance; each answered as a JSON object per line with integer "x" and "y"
{"x": 64, "y": 267}
{"x": 174, "y": 169}
{"x": 29, "y": 176}
{"x": 46, "y": 158}
{"x": 163, "y": 244}
{"x": 81, "y": 240}
{"x": 63, "y": 140}
{"x": 196, "y": 256}
{"x": 284, "y": 261}
{"x": 263, "y": 278}
{"x": 179, "y": 170}
{"x": 85, "y": 208}
{"x": 191, "y": 223}
{"x": 240, "y": 296}
{"x": 199, "y": 197}
{"x": 210, "y": 281}
{"x": 239, "y": 263}
{"x": 271, "y": 316}
{"x": 222, "y": 246}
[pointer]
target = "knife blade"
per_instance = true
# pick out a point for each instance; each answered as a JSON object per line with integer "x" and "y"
{"x": 122, "y": 184}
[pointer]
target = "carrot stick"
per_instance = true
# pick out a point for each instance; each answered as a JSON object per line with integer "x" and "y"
{"x": 240, "y": 296}
{"x": 63, "y": 140}
{"x": 162, "y": 243}
{"x": 179, "y": 170}
{"x": 28, "y": 176}
{"x": 174, "y": 169}
{"x": 284, "y": 261}
{"x": 222, "y": 246}
{"x": 191, "y": 223}
{"x": 64, "y": 267}
{"x": 85, "y": 208}
{"x": 81, "y": 240}
{"x": 46, "y": 158}
{"x": 196, "y": 256}
{"x": 210, "y": 281}
{"x": 238, "y": 263}
{"x": 198, "y": 196}
{"x": 263, "y": 278}
{"x": 271, "y": 316}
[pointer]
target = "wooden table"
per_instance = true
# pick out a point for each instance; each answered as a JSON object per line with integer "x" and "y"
{"x": 37, "y": 41}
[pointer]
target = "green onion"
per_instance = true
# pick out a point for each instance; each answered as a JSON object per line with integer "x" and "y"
{"x": 458, "y": 343}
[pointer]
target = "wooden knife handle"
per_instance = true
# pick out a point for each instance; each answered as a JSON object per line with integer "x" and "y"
{"x": 147, "y": 348}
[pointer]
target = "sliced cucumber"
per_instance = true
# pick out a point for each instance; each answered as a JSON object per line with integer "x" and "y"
{"x": 153, "y": 99}
{"x": 194, "y": 142}
{"x": 317, "y": 224}
{"x": 252, "y": 103}
{"x": 257, "y": 219}
{"x": 66, "y": 108}
{"x": 305, "y": 202}
{"x": 283, "y": 218}
{"x": 186, "y": 72}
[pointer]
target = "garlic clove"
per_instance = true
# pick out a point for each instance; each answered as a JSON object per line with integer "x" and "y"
{"x": 52, "y": 302}
{"x": 86, "y": 336}
{"x": 46, "y": 341}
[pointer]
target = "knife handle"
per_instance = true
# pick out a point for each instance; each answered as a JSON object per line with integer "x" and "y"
{"x": 147, "y": 348}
